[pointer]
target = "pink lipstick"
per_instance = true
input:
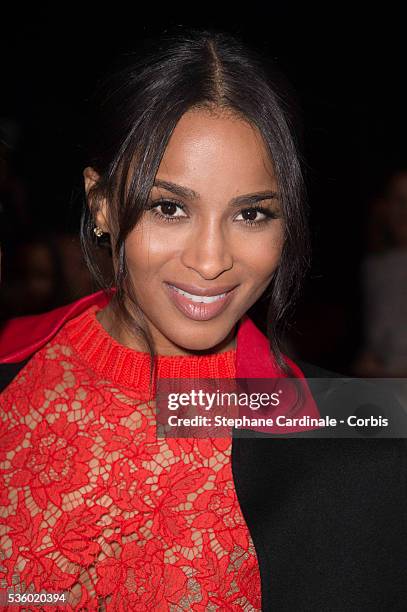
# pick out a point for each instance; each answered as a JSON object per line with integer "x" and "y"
{"x": 198, "y": 303}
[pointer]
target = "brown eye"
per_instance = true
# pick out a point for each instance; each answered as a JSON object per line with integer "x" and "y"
{"x": 256, "y": 215}
{"x": 168, "y": 210}
{"x": 250, "y": 214}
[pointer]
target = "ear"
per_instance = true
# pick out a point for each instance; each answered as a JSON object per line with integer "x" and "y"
{"x": 91, "y": 177}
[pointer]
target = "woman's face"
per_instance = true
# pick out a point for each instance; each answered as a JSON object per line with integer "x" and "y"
{"x": 205, "y": 235}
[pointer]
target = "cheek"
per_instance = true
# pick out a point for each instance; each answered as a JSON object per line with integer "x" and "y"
{"x": 140, "y": 256}
{"x": 146, "y": 253}
{"x": 261, "y": 256}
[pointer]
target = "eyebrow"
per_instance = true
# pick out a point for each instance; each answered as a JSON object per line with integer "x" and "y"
{"x": 185, "y": 192}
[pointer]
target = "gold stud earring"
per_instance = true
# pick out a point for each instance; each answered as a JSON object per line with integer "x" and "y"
{"x": 98, "y": 231}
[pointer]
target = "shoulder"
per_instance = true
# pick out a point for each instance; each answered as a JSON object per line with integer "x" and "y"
{"x": 23, "y": 337}
{"x": 366, "y": 408}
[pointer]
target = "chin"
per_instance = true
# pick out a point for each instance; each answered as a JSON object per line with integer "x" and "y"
{"x": 204, "y": 342}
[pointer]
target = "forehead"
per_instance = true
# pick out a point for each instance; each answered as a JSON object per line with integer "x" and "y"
{"x": 207, "y": 150}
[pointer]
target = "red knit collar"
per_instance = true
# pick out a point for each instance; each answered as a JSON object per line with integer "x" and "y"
{"x": 119, "y": 364}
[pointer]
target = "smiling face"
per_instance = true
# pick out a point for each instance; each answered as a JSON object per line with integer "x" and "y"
{"x": 213, "y": 224}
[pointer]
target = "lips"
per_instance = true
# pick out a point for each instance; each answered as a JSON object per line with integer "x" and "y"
{"x": 195, "y": 290}
{"x": 200, "y": 304}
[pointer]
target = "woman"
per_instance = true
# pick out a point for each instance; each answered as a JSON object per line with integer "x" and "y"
{"x": 196, "y": 182}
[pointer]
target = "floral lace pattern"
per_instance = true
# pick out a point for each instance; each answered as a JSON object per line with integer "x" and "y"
{"x": 94, "y": 504}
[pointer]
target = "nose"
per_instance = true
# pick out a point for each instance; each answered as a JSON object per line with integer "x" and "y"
{"x": 208, "y": 251}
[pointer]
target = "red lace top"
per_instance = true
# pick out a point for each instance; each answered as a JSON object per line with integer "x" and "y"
{"x": 94, "y": 504}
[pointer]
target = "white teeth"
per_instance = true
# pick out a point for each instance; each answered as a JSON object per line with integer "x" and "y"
{"x": 199, "y": 298}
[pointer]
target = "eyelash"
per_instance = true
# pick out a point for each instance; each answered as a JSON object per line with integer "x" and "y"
{"x": 258, "y": 208}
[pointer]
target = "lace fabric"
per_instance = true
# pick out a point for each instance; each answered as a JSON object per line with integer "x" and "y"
{"x": 94, "y": 504}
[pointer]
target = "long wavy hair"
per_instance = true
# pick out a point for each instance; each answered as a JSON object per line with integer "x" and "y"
{"x": 134, "y": 111}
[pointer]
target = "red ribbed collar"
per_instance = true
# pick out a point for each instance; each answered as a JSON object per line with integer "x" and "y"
{"x": 122, "y": 365}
